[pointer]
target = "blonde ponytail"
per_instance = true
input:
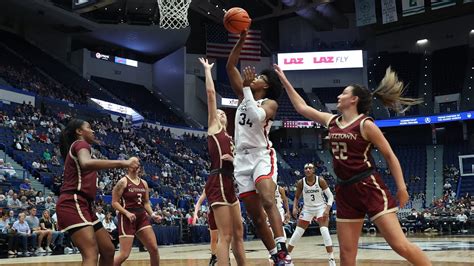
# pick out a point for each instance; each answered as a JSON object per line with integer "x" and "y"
{"x": 390, "y": 91}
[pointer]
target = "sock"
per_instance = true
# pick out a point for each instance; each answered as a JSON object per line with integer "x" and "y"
{"x": 273, "y": 251}
{"x": 331, "y": 255}
{"x": 280, "y": 239}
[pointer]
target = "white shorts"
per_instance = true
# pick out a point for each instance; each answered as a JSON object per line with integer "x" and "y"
{"x": 307, "y": 214}
{"x": 251, "y": 167}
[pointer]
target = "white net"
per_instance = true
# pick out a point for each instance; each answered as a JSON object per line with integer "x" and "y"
{"x": 173, "y": 13}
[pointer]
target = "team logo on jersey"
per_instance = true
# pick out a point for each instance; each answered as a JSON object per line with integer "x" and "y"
{"x": 426, "y": 245}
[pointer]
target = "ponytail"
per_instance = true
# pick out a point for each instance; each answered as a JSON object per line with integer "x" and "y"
{"x": 390, "y": 91}
{"x": 68, "y": 136}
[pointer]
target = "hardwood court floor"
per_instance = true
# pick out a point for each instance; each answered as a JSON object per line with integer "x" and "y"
{"x": 310, "y": 251}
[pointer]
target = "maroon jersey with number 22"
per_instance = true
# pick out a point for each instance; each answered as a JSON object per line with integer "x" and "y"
{"x": 351, "y": 153}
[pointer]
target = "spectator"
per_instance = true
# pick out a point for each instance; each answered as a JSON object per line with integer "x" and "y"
{"x": 39, "y": 198}
{"x": 35, "y": 164}
{"x": 49, "y": 204}
{"x": 6, "y": 169}
{"x": 24, "y": 204}
{"x": 24, "y": 233}
{"x": 110, "y": 226}
{"x": 99, "y": 213}
{"x": 11, "y": 217}
{"x": 7, "y": 233}
{"x": 47, "y": 155}
{"x": 462, "y": 219}
{"x": 33, "y": 223}
{"x": 55, "y": 161}
{"x": 447, "y": 185}
{"x": 25, "y": 185}
{"x": 48, "y": 224}
{"x": 44, "y": 166}
{"x": 14, "y": 202}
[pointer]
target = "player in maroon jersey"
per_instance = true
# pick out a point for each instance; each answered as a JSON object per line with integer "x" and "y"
{"x": 219, "y": 188}
{"x": 130, "y": 197}
{"x": 360, "y": 189}
{"x": 73, "y": 209}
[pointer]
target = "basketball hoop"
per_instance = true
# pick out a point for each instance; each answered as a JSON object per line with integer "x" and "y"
{"x": 173, "y": 13}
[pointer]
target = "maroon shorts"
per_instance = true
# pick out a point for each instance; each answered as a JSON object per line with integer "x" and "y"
{"x": 211, "y": 220}
{"x": 74, "y": 211}
{"x": 129, "y": 229}
{"x": 369, "y": 196}
{"x": 220, "y": 190}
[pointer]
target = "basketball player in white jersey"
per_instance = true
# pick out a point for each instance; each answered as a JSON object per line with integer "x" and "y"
{"x": 255, "y": 163}
{"x": 315, "y": 206}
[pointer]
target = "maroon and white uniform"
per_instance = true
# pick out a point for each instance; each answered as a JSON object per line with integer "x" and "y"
{"x": 211, "y": 220}
{"x": 78, "y": 191}
{"x": 131, "y": 200}
{"x": 220, "y": 184}
{"x": 351, "y": 154}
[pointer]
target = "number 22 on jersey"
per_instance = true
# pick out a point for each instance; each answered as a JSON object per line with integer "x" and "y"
{"x": 339, "y": 150}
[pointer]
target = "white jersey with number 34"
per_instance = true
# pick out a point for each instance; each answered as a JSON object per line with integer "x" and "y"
{"x": 251, "y": 134}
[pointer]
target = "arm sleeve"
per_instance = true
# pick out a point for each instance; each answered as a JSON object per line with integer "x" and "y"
{"x": 254, "y": 112}
{"x": 330, "y": 196}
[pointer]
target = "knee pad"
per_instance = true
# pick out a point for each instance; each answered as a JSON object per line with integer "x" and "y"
{"x": 297, "y": 234}
{"x": 326, "y": 236}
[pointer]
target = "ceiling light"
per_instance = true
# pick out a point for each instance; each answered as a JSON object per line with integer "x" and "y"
{"x": 422, "y": 42}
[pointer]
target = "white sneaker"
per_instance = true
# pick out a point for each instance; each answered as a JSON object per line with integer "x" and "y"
{"x": 332, "y": 262}
{"x": 40, "y": 250}
{"x": 48, "y": 249}
{"x": 68, "y": 250}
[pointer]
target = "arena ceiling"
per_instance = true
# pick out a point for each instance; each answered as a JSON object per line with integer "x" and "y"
{"x": 130, "y": 27}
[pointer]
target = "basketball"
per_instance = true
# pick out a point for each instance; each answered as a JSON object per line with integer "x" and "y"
{"x": 236, "y": 20}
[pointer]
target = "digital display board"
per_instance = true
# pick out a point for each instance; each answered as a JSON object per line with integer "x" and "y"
{"x": 115, "y": 59}
{"x": 407, "y": 121}
{"x": 321, "y": 60}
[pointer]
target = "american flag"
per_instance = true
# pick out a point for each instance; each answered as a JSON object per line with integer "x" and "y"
{"x": 219, "y": 43}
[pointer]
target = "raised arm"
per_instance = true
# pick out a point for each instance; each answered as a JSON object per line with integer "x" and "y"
{"x": 298, "y": 102}
{"x": 212, "y": 121}
{"x": 235, "y": 79}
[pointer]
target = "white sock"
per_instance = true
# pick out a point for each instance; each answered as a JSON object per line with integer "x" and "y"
{"x": 273, "y": 251}
{"x": 280, "y": 239}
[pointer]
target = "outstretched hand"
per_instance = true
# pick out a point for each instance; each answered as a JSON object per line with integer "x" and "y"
{"x": 248, "y": 75}
{"x": 243, "y": 35}
{"x": 279, "y": 72}
{"x": 205, "y": 63}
